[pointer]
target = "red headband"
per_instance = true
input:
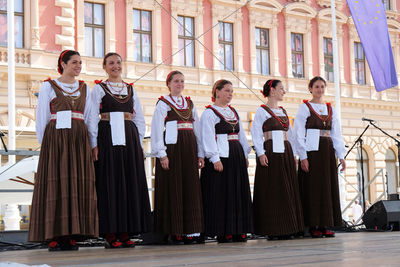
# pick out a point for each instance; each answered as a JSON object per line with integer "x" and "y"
{"x": 170, "y": 74}
{"x": 60, "y": 60}
{"x": 214, "y": 89}
{"x": 270, "y": 82}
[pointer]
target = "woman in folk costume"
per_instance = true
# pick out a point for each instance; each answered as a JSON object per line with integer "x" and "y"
{"x": 277, "y": 206}
{"x": 116, "y": 135}
{"x": 175, "y": 142}
{"x": 224, "y": 178}
{"x": 64, "y": 204}
{"x": 318, "y": 138}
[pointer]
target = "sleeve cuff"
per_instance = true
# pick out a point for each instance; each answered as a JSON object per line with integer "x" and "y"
{"x": 215, "y": 159}
{"x": 161, "y": 154}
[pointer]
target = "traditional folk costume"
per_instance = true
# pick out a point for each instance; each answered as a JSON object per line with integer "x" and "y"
{"x": 318, "y": 137}
{"x": 175, "y": 133}
{"x": 64, "y": 203}
{"x": 123, "y": 197}
{"x": 226, "y": 195}
{"x": 277, "y": 206}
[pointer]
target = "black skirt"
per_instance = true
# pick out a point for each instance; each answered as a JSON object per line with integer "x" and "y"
{"x": 320, "y": 187}
{"x": 226, "y": 195}
{"x": 178, "y": 208}
{"x": 277, "y": 205}
{"x": 122, "y": 192}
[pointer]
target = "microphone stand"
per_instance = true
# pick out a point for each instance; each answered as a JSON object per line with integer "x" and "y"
{"x": 395, "y": 140}
{"x": 360, "y": 142}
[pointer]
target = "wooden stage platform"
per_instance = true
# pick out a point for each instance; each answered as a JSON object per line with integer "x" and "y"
{"x": 347, "y": 249}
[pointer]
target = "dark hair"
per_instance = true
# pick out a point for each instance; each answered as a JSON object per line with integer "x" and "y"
{"x": 171, "y": 75}
{"x": 268, "y": 85}
{"x": 109, "y": 55}
{"x": 313, "y": 80}
{"x": 65, "y": 56}
{"x": 218, "y": 85}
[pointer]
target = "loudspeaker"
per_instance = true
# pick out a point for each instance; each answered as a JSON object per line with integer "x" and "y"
{"x": 383, "y": 215}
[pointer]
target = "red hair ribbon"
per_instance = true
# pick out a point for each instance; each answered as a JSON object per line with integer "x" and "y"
{"x": 261, "y": 91}
{"x": 270, "y": 82}
{"x": 60, "y": 60}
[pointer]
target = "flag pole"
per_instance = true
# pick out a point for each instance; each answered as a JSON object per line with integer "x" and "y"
{"x": 342, "y": 182}
{"x": 11, "y": 78}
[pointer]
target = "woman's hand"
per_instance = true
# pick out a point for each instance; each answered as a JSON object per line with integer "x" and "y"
{"x": 164, "y": 163}
{"x": 218, "y": 166}
{"x": 343, "y": 163}
{"x": 201, "y": 163}
{"x": 95, "y": 153}
{"x": 304, "y": 165}
{"x": 263, "y": 160}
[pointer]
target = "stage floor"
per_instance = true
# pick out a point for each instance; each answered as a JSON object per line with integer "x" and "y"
{"x": 347, "y": 249}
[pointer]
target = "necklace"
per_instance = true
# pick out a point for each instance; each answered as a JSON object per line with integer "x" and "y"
{"x": 117, "y": 91}
{"x": 69, "y": 94}
{"x": 179, "y": 106}
{"x": 323, "y": 118}
{"x": 119, "y": 99}
{"x": 233, "y": 121}
{"x": 284, "y": 121}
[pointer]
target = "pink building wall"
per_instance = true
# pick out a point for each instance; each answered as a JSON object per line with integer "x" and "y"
{"x": 48, "y": 30}
{"x": 314, "y": 47}
{"x": 120, "y": 24}
{"x": 246, "y": 39}
{"x": 207, "y": 24}
{"x": 166, "y": 32}
{"x": 281, "y": 44}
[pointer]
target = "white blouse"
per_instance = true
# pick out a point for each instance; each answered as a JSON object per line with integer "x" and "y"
{"x": 158, "y": 149}
{"x": 208, "y": 121}
{"x": 46, "y": 94}
{"x": 300, "y": 129}
{"x": 96, "y": 99}
{"x": 257, "y": 133}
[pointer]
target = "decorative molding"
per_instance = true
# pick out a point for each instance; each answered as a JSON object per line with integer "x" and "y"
{"x": 327, "y": 3}
{"x": 67, "y": 22}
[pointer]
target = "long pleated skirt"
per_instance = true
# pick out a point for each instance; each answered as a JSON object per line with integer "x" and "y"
{"x": 277, "y": 205}
{"x": 123, "y": 196}
{"x": 64, "y": 198}
{"x": 178, "y": 207}
{"x": 320, "y": 187}
{"x": 226, "y": 195}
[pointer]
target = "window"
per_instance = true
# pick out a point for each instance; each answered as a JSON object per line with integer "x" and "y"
{"x": 297, "y": 55}
{"x": 186, "y": 41}
{"x": 328, "y": 59}
{"x": 225, "y": 51}
{"x": 359, "y": 63}
{"x": 94, "y": 29}
{"x": 387, "y": 4}
{"x": 262, "y": 51}
{"x": 141, "y": 35}
{"x": 19, "y": 23}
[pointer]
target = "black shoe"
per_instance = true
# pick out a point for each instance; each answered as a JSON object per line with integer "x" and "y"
{"x": 69, "y": 245}
{"x": 240, "y": 238}
{"x": 224, "y": 239}
{"x": 188, "y": 240}
{"x": 201, "y": 239}
{"x": 175, "y": 240}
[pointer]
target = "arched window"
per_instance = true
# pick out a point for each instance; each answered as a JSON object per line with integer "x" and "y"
{"x": 366, "y": 175}
{"x": 391, "y": 171}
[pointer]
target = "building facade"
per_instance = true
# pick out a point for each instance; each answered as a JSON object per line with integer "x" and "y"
{"x": 246, "y": 42}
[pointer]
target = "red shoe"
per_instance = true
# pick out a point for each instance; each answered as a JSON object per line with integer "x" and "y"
{"x": 114, "y": 244}
{"x": 128, "y": 243}
{"x": 328, "y": 233}
{"x": 316, "y": 233}
{"x": 54, "y": 246}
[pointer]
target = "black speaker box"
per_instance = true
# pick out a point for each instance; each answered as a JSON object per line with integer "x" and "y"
{"x": 383, "y": 215}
